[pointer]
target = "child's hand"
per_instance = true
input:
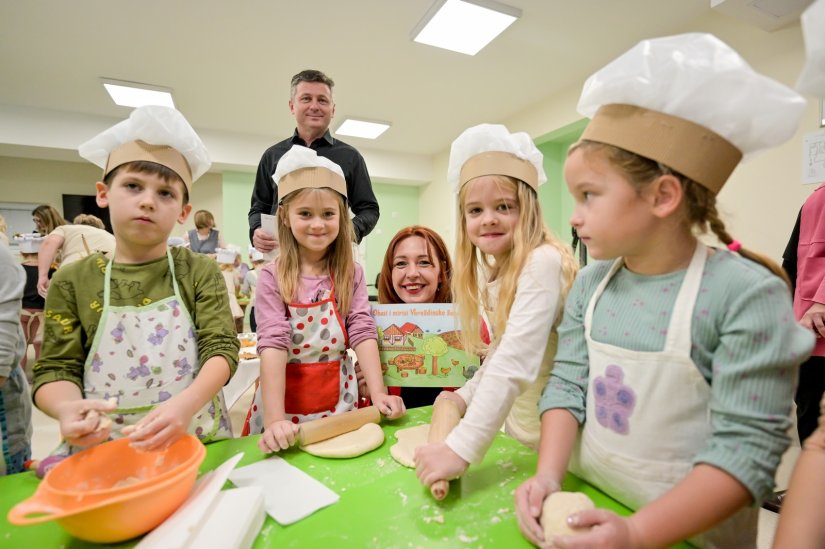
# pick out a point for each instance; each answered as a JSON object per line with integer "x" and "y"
{"x": 529, "y": 498}
{"x": 161, "y": 427}
{"x": 609, "y": 531}
{"x": 280, "y": 435}
{"x": 390, "y": 405}
{"x": 437, "y": 461}
{"x": 84, "y": 422}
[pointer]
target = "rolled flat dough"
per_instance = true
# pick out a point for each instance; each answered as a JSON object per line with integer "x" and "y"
{"x": 557, "y": 507}
{"x": 409, "y": 439}
{"x": 349, "y": 445}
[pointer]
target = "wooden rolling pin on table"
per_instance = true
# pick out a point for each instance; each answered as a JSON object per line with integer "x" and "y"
{"x": 332, "y": 426}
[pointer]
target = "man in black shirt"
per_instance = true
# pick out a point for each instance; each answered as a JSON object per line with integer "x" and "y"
{"x": 312, "y": 106}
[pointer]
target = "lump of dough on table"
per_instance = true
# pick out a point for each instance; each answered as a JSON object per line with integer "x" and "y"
{"x": 408, "y": 440}
{"x": 349, "y": 445}
{"x": 557, "y": 507}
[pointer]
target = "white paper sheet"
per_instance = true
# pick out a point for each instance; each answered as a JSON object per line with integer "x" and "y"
{"x": 290, "y": 493}
{"x": 270, "y": 226}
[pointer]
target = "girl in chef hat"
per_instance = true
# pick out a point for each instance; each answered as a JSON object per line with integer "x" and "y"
{"x": 677, "y": 361}
{"x": 141, "y": 345}
{"x": 509, "y": 266}
{"x": 311, "y": 305}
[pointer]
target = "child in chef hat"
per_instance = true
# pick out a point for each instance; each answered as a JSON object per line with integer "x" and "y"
{"x": 228, "y": 259}
{"x": 250, "y": 283}
{"x": 311, "y": 306}
{"x": 140, "y": 345}
{"x": 509, "y": 266}
{"x": 31, "y": 315}
{"x": 676, "y": 361}
{"x": 800, "y": 522}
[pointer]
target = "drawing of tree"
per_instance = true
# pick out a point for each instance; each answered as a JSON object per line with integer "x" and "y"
{"x": 436, "y": 347}
{"x": 380, "y": 334}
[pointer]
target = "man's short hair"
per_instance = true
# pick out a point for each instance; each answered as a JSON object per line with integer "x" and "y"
{"x": 310, "y": 75}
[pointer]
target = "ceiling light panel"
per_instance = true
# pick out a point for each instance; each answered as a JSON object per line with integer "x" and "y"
{"x": 464, "y": 26}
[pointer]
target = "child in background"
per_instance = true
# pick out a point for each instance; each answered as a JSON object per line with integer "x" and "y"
{"x": 250, "y": 282}
{"x": 311, "y": 306}
{"x": 15, "y": 406}
{"x": 146, "y": 338}
{"x": 676, "y": 361}
{"x": 227, "y": 261}
{"x": 509, "y": 266}
{"x": 31, "y": 315}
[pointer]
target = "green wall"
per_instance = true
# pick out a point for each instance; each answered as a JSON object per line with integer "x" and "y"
{"x": 399, "y": 209}
{"x": 237, "y": 192}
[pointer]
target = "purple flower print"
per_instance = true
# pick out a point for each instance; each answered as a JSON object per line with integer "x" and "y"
{"x": 96, "y": 363}
{"x": 163, "y": 396}
{"x": 614, "y": 400}
{"x": 117, "y": 333}
{"x": 183, "y": 366}
{"x": 139, "y": 371}
{"x": 175, "y": 308}
{"x": 157, "y": 337}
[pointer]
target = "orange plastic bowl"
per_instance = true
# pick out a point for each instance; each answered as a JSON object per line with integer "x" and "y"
{"x": 86, "y": 493}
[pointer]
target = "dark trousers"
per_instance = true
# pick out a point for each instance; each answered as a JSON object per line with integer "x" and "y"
{"x": 253, "y": 325}
{"x": 808, "y": 395}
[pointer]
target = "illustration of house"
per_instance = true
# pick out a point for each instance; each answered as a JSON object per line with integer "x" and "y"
{"x": 394, "y": 336}
{"x": 411, "y": 329}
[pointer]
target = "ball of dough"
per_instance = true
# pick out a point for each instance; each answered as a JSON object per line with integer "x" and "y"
{"x": 557, "y": 507}
{"x": 349, "y": 445}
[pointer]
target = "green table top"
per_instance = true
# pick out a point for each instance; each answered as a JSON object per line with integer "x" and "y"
{"x": 381, "y": 504}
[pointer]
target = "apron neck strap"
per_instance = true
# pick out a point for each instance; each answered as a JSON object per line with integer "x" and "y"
{"x": 107, "y": 278}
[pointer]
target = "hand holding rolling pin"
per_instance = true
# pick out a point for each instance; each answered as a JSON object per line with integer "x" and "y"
{"x": 436, "y": 464}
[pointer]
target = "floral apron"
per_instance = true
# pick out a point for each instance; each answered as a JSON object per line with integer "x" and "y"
{"x": 320, "y": 376}
{"x": 143, "y": 356}
{"x": 648, "y": 415}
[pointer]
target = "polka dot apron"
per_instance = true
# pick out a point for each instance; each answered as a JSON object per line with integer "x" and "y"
{"x": 320, "y": 376}
{"x": 143, "y": 356}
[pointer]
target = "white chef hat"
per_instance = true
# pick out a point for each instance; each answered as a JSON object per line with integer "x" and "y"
{"x": 490, "y": 149}
{"x": 690, "y": 102}
{"x": 302, "y": 168}
{"x": 255, "y": 254}
{"x": 154, "y": 133}
{"x": 812, "y": 79}
{"x": 226, "y": 255}
{"x": 175, "y": 241}
{"x": 29, "y": 243}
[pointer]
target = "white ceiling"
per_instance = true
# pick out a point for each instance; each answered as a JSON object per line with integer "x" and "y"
{"x": 230, "y": 62}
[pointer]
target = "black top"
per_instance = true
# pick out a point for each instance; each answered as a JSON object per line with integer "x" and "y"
{"x": 31, "y": 299}
{"x": 361, "y": 199}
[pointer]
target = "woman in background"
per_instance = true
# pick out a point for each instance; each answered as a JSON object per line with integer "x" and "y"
{"x": 204, "y": 238}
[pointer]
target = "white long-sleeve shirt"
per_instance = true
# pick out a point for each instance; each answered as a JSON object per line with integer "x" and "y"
{"x": 519, "y": 364}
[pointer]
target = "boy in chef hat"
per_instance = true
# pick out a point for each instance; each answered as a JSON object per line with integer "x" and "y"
{"x": 146, "y": 340}
{"x": 312, "y": 306}
{"x": 228, "y": 260}
{"x": 800, "y": 522}
{"x": 31, "y": 315}
{"x": 512, "y": 268}
{"x": 676, "y": 361}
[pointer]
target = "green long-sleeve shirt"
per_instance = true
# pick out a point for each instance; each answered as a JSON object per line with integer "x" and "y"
{"x": 746, "y": 344}
{"x": 75, "y": 302}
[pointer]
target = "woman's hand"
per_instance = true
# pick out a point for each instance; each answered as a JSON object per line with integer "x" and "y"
{"x": 43, "y": 285}
{"x": 437, "y": 461}
{"x": 280, "y": 435}
{"x": 530, "y": 498}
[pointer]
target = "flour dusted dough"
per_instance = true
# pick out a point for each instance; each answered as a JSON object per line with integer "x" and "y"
{"x": 408, "y": 440}
{"x": 349, "y": 445}
{"x": 557, "y": 507}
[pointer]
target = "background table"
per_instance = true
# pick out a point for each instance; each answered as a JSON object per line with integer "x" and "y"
{"x": 382, "y": 503}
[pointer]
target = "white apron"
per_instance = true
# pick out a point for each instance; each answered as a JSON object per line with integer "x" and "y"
{"x": 146, "y": 355}
{"x": 320, "y": 376}
{"x": 648, "y": 415}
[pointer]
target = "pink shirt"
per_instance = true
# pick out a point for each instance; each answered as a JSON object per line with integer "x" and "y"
{"x": 810, "y": 260}
{"x": 274, "y": 330}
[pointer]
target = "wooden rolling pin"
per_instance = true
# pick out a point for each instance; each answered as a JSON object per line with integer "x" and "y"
{"x": 332, "y": 426}
{"x": 446, "y": 416}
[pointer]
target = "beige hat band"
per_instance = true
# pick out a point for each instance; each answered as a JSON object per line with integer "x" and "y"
{"x": 690, "y": 149}
{"x": 499, "y": 163}
{"x": 160, "y": 154}
{"x": 311, "y": 178}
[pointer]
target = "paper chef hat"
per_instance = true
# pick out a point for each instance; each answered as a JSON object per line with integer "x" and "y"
{"x": 175, "y": 241}
{"x": 29, "y": 243}
{"x": 226, "y": 255}
{"x": 690, "y": 102}
{"x": 812, "y": 79}
{"x": 255, "y": 255}
{"x": 302, "y": 168}
{"x": 154, "y": 133}
{"x": 490, "y": 149}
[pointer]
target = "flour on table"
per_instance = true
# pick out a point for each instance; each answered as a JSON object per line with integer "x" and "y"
{"x": 349, "y": 445}
{"x": 408, "y": 440}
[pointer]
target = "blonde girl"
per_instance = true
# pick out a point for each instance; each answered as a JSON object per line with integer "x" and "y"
{"x": 311, "y": 305}
{"x": 511, "y": 268}
{"x": 673, "y": 381}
